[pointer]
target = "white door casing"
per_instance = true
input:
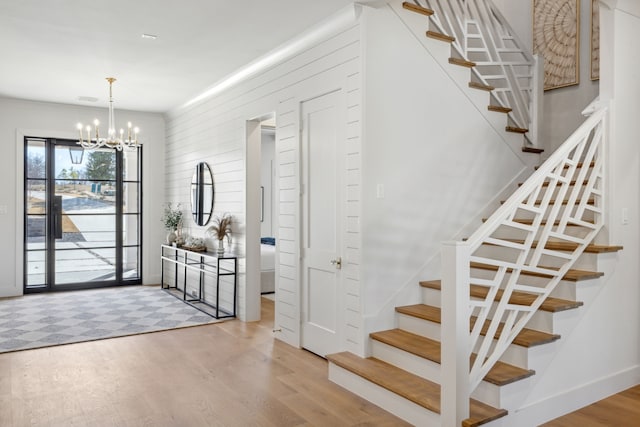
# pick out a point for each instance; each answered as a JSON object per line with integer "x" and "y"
{"x": 322, "y": 151}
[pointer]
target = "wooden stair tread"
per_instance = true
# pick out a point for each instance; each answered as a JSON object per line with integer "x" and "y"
{"x": 591, "y": 248}
{"x": 546, "y": 183}
{"x": 526, "y": 337}
{"x": 462, "y": 62}
{"x": 417, "y": 9}
{"x": 525, "y": 221}
{"x": 499, "y": 109}
{"x": 500, "y": 374}
{"x": 533, "y": 150}
{"x": 591, "y": 201}
{"x": 413, "y": 388}
{"x": 476, "y": 85}
{"x": 515, "y": 129}
{"x": 439, "y": 36}
{"x": 550, "y": 304}
{"x": 572, "y": 275}
{"x": 579, "y": 165}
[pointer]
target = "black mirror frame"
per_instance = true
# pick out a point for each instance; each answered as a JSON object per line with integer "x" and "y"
{"x": 201, "y": 183}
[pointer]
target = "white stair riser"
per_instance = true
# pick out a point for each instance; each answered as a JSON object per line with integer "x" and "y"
{"x": 409, "y": 362}
{"x": 491, "y": 394}
{"x": 514, "y": 355}
{"x": 419, "y": 326}
{"x": 529, "y": 357}
{"x": 507, "y": 397}
{"x": 387, "y": 400}
{"x": 587, "y": 261}
{"x": 540, "y": 321}
{"x": 565, "y": 289}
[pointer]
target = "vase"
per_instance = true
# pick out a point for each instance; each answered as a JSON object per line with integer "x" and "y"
{"x": 171, "y": 237}
{"x": 220, "y": 247}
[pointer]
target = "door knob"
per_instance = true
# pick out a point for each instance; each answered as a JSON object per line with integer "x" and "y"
{"x": 337, "y": 263}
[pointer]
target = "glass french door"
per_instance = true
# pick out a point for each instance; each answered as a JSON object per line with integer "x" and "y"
{"x": 82, "y": 216}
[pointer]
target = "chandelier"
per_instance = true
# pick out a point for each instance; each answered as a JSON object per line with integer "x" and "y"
{"x": 113, "y": 140}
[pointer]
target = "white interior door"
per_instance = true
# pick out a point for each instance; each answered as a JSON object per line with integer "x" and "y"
{"x": 322, "y": 293}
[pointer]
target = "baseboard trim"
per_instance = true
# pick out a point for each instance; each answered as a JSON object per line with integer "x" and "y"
{"x": 568, "y": 401}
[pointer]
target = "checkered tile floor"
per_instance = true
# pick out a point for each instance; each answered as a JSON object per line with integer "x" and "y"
{"x": 44, "y": 320}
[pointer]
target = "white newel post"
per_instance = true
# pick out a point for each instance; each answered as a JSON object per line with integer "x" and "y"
{"x": 537, "y": 94}
{"x": 454, "y": 400}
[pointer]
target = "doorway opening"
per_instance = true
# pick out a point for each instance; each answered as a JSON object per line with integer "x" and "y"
{"x": 82, "y": 216}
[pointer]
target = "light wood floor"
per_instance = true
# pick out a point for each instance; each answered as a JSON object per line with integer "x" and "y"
{"x": 622, "y": 409}
{"x": 226, "y": 374}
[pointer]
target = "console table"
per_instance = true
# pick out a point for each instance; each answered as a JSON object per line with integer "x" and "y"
{"x": 202, "y": 265}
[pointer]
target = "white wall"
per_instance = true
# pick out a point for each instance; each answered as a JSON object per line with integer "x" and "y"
{"x": 213, "y": 130}
{"x": 437, "y": 158}
{"x": 562, "y": 107}
{"x": 18, "y": 117}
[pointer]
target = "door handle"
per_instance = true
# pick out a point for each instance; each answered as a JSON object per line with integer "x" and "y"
{"x": 57, "y": 217}
{"x": 337, "y": 263}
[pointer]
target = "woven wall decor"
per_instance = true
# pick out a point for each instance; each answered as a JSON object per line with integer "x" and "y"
{"x": 556, "y": 26}
{"x": 595, "y": 39}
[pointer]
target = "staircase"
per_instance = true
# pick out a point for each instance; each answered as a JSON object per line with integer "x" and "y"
{"x": 403, "y": 375}
{"x": 503, "y": 295}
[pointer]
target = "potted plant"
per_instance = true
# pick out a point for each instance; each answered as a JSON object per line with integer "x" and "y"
{"x": 220, "y": 229}
{"x": 172, "y": 218}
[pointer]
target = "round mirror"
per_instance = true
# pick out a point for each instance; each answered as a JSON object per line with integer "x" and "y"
{"x": 202, "y": 194}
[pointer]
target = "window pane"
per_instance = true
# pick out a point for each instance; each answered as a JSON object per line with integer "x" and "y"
{"x": 131, "y": 263}
{"x": 36, "y": 268}
{"x": 86, "y": 196}
{"x": 130, "y": 197}
{"x": 36, "y": 196}
{"x": 87, "y": 231}
{"x": 130, "y": 166}
{"x": 130, "y": 233}
{"x": 88, "y": 265}
{"x": 36, "y": 231}
{"x": 36, "y": 159}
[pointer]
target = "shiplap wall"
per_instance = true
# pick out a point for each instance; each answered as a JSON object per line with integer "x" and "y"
{"x": 214, "y": 131}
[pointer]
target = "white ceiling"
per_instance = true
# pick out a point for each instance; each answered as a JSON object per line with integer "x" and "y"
{"x": 60, "y": 50}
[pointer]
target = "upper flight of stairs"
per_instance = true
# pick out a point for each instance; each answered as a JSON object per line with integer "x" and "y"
{"x": 462, "y": 62}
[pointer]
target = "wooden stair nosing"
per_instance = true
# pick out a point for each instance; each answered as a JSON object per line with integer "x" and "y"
{"x": 516, "y": 129}
{"x": 591, "y": 201}
{"x": 526, "y": 221}
{"x": 533, "y": 150}
{"x": 526, "y": 337}
{"x": 550, "y": 304}
{"x": 499, "y": 109}
{"x": 500, "y": 374}
{"x": 417, "y": 9}
{"x": 579, "y": 165}
{"x": 411, "y": 387}
{"x": 439, "y": 36}
{"x": 571, "y": 275}
{"x": 591, "y": 248}
{"x": 546, "y": 183}
{"x": 462, "y": 62}
{"x": 480, "y": 86}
